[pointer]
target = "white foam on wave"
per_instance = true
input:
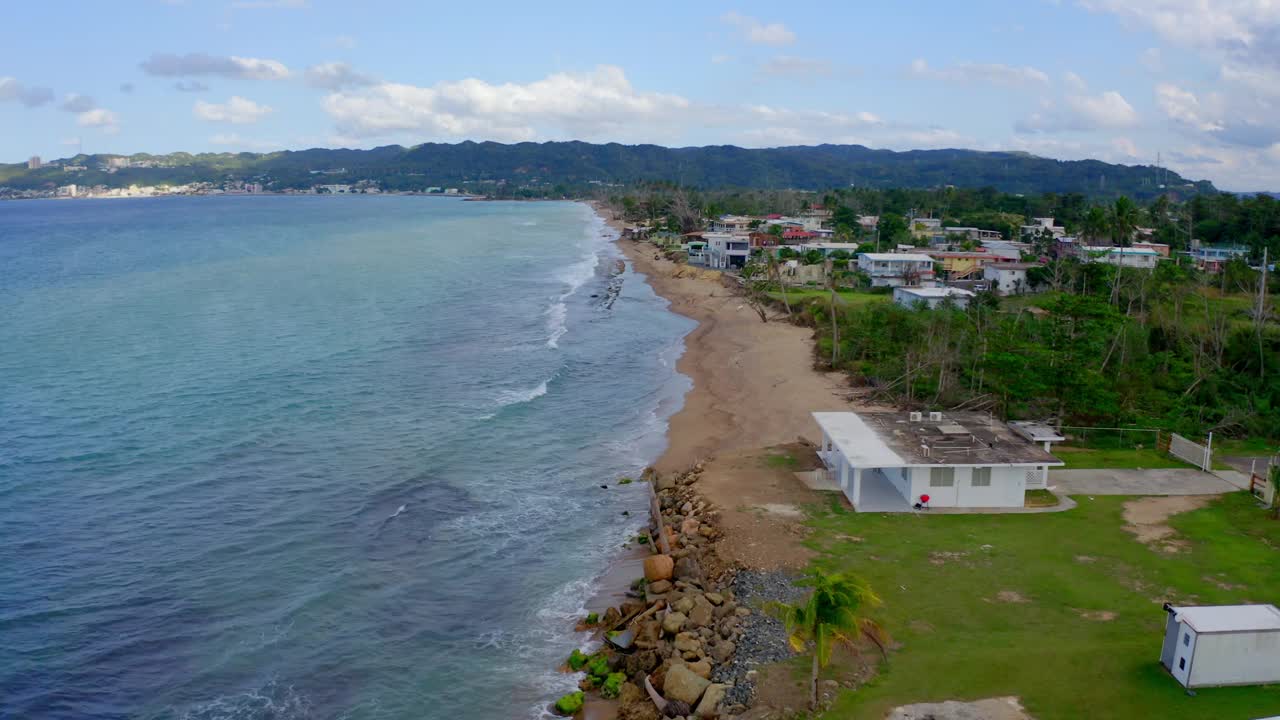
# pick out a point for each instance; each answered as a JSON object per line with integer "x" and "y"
{"x": 575, "y": 276}
{"x": 516, "y": 397}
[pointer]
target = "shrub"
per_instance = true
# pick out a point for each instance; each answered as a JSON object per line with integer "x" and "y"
{"x": 592, "y": 618}
{"x": 613, "y": 685}
{"x": 625, "y": 481}
{"x": 570, "y": 704}
{"x": 577, "y": 659}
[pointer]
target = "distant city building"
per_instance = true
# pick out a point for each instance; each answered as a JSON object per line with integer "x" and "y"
{"x": 116, "y": 163}
{"x": 67, "y": 191}
{"x": 34, "y": 163}
{"x": 74, "y": 168}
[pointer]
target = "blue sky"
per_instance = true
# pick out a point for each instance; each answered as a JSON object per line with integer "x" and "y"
{"x": 1119, "y": 80}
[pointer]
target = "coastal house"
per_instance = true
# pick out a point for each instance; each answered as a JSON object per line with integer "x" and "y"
{"x": 1216, "y": 645}
{"x": 725, "y": 250}
{"x": 759, "y": 239}
{"x": 1008, "y": 278}
{"x": 973, "y": 233}
{"x": 1038, "y": 226}
{"x": 828, "y": 248}
{"x": 962, "y": 265}
{"x": 895, "y": 269}
{"x": 931, "y": 297}
{"x": 926, "y": 227}
{"x": 1130, "y": 257}
{"x": 896, "y": 461}
{"x": 1011, "y": 250}
{"x": 1161, "y": 248}
{"x": 796, "y": 236}
{"x": 1211, "y": 259}
{"x": 732, "y": 224}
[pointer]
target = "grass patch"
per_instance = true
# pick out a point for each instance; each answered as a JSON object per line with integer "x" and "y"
{"x": 1040, "y": 498}
{"x": 782, "y": 461}
{"x": 848, "y": 298}
{"x": 1077, "y": 458}
{"x": 1060, "y": 609}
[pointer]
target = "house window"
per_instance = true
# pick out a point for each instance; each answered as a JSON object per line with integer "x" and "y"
{"x": 1186, "y": 639}
{"x": 1182, "y": 664}
{"x": 981, "y": 477}
{"x": 942, "y": 477}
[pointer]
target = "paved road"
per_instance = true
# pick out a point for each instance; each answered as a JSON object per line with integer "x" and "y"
{"x": 1164, "y": 481}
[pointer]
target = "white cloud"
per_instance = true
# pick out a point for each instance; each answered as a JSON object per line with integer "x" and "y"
{"x": 337, "y": 76}
{"x": 12, "y": 90}
{"x": 795, "y": 67}
{"x": 1082, "y": 113}
{"x": 1184, "y": 107}
{"x": 1074, "y": 82}
{"x": 346, "y": 42}
{"x": 1125, "y": 147}
{"x": 966, "y": 72}
{"x": 758, "y": 32}
{"x": 77, "y": 103}
{"x": 202, "y": 64}
{"x": 237, "y": 110}
{"x": 108, "y": 121}
{"x": 601, "y": 103}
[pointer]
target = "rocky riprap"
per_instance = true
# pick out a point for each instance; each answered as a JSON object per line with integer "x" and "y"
{"x": 699, "y": 626}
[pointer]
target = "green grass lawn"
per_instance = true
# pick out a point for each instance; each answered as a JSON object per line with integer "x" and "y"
{"x": 850, "y": 298}
{"x": 1077, "y": 458}
{"x": 941, "y": 579}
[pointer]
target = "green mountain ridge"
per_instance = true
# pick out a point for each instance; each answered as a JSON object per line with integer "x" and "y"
{"x": 575, "y": 164}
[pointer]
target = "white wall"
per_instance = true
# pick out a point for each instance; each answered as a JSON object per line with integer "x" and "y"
{"x": 1008, "y": 488}
{"x": 1243, "y": 658}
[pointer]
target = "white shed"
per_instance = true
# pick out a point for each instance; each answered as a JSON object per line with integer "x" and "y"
{"x": 1222, "y": 645}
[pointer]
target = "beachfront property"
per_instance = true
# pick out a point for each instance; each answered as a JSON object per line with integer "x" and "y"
{"x": 1217, "y": 645}
{"x": 726, "y": 251}
{"x": 827, "y": 248}
{"x": 1211, "y": 259}
{"x": 1008, "y": 278}
{"x": 732, "y": 224}
{"x": 896, "y": 461}
{"x": 896, "y": 269}
{"x": 1131, "y": 257}
{"x": 931, "y": 297}
{"x": 962, "y": 265}
{"x": 1039, "y": 225}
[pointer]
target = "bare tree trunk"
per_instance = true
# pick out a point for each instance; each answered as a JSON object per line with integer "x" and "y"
{"x": 813, "y": 682}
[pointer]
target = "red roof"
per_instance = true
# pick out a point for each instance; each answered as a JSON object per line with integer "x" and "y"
{"x": 774, "y": 216}
{"x": 793, "y": 234}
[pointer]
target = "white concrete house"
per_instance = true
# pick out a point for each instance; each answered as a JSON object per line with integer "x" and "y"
{"x": 893, "y": 461}
{"x": 894, "y": 269}
{"x": 931, "y": 297}
{"x": 1008, "y": 278}
{"x": 726, "y": 251}
{"x": 1217, "y": 645}
{"x": 1132, "y": 257}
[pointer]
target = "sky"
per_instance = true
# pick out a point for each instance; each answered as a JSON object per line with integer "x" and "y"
{"x": 1193, "y": 83}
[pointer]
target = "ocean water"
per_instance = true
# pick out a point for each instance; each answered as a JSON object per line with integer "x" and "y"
{"x": 303, "y": 457}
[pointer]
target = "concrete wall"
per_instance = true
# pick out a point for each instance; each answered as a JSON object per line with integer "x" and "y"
{"x": 1008, "y": 488}
{"x": 1236, "y": 658}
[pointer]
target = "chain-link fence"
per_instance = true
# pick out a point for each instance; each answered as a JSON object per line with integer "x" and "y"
{"x": 1112, "y": 438}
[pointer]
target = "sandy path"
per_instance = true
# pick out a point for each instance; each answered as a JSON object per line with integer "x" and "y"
{"x": 754, "y": 383}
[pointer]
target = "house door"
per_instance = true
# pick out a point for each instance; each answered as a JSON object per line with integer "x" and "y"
{"x": 1182, "y": 656}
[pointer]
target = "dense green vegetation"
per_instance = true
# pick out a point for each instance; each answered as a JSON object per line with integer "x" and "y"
{"x": 1061, "y": 610}
{"x": 558, "y": 168}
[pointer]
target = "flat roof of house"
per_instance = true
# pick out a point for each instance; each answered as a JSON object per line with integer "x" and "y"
{"x": 892, "y": 257}
{"x": 934, "y": 292}
{"x": 1013, "y": 265}
{"x": 892, "y": 439}
{"x": 1035, "y": 432}
{"x": 1229, "y": 618}
{"x": 830, "y": 246}
{"x": 1121, "y": 250}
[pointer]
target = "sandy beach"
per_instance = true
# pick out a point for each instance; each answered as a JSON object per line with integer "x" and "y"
{"x": 754, "y": 384}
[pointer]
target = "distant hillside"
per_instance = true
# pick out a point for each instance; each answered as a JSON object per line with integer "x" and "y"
{"x": 575, "y": 164}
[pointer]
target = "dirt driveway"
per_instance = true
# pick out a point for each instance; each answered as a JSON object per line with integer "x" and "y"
{"x": 1164, "y": 481}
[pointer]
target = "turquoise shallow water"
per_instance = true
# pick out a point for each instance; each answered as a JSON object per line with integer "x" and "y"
{"x": 290, "y": 457}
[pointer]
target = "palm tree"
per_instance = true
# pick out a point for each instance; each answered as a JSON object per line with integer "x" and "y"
{"x": 831, "y": 614}
{"x": 1094, "y": 224}
{"x": 1123, "y": 219}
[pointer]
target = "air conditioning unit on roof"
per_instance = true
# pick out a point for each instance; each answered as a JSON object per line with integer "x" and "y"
{"x": 935, "y": 417}
{"x": 916, "y": 417}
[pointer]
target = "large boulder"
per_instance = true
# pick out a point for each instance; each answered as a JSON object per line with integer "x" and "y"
{"x": 637, "y": 665}
{"x": 684, "y": 685}
{"x": 687, "y": 642}
{"x": 634, "y": 704}
{"x": 686, "y": 567}
{"x": 723, "y": 651}
{"x": 711, "y": 699}
{"x": 659, "y": 587}
{"x": 700, "y": 615}
{"x": 701, "y": 668}
{"x": 683, "y": 605}
{"x": 674, "y": 622}
{"x": 658, "y": 567}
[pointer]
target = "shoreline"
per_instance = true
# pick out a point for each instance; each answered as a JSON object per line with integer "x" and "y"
{"x": 754, "y": 383}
